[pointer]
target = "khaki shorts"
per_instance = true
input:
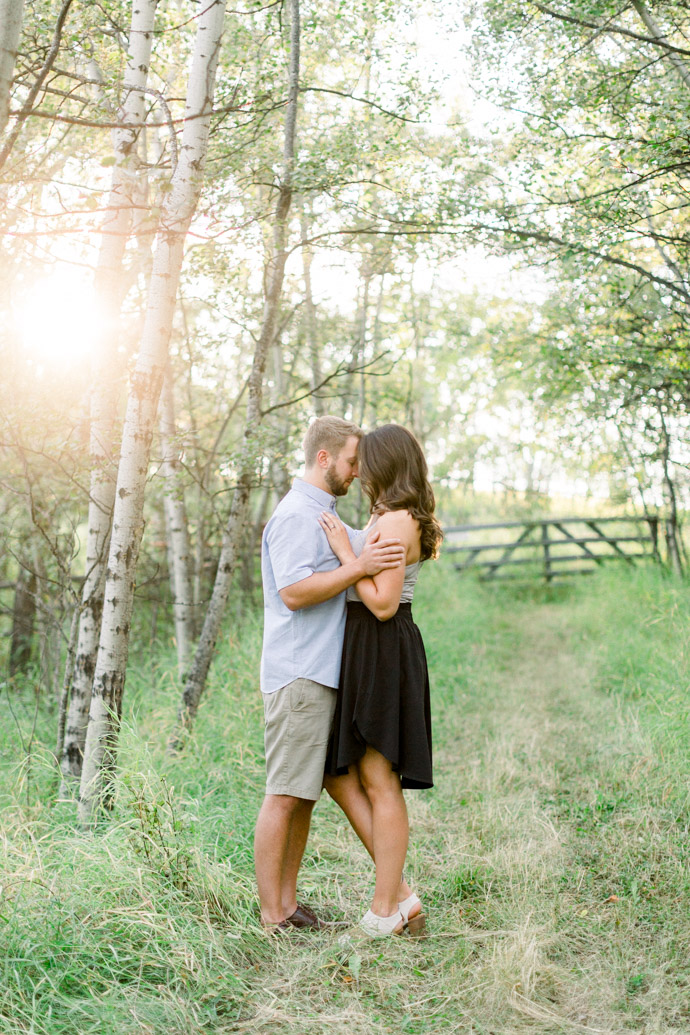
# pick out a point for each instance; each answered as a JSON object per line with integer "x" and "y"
{"x": 298, "y": 722}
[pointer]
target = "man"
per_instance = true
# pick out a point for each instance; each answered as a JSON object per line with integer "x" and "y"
{"x": 304, "y": 621}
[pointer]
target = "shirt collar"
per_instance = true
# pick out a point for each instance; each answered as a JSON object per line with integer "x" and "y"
{"x": 324, "y": 499}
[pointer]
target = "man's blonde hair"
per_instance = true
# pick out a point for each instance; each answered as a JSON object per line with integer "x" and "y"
{"x": 330, "y": 433}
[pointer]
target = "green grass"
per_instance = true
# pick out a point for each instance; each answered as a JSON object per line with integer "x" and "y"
{"x": 552, "y": 854}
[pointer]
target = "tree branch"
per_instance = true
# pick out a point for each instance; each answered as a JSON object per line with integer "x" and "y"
{"x": 74, "y": 120}
{"x": 25, "y": 111}
{"x": 540, "y": 237}
{"x": 341, "y": 369}
{"x": 360, "y": 100}
{"x": 677, "y": 61}
{"x": 611, "y": 27}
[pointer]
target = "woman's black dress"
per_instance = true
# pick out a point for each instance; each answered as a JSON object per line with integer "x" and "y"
{"x": 383, "y": 698}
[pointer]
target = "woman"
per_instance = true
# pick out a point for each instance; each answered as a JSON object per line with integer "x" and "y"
{"x": 382, "y": 728}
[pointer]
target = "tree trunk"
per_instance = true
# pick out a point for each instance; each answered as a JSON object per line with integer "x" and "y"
{"x": 254, "y": 532}
{"x": 142, "y": 405}
{"x": 239, "y": 512}
{"x": 353, "y": 394}
{"x": 656, "y": 31}
{"x": 11, "y": 15}
{"x": 23, "y": 620}
{"x": 110, "y": 287}
{"x": 310, "y": 319}
{"x": 672, "y": 548}
{"x": 67, "y": 679}
{"x": 279, "y": 421}
{"x": 202, "y": 506}
{"x": 633, "y": 467}
{"x": 671, "y": 523}
{"x": 177, "y": 535}
{"x": 28, "y": 105}
{"x": 415, "y": 400}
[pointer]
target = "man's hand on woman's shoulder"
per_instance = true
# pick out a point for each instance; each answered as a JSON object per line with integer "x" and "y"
{"x": 380, "y": 553}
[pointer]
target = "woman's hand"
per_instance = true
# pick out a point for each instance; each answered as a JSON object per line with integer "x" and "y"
{"x": 337, "y": 536}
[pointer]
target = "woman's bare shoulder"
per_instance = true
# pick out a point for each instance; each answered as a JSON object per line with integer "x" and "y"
{"x": 398, "y": 523}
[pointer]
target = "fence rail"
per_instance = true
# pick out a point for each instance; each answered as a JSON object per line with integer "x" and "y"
{"x": 545, "y": 539}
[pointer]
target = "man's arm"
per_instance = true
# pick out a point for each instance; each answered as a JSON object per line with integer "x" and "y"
{"x": 376, "y": 556}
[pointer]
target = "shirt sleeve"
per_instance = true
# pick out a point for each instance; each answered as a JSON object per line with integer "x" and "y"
{"x": 293, "y": 547}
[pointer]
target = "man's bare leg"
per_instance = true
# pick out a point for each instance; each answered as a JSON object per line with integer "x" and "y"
{"x": 273, "y": 846}
{"x": 297, "y": 841}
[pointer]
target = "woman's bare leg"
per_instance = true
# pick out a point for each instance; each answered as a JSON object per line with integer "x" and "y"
{"x": 390, "y": 828}
{"x": 347, "y": 792}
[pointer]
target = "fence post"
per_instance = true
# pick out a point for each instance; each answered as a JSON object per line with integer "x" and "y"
{"x": 547, "y": 556}
{"x": 653, "y": 522}
{"x": 671, "y": 534}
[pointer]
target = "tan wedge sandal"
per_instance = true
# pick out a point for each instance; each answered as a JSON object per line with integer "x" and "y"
{"x": 375, "y": 926}
{"x": 414, "y": 925}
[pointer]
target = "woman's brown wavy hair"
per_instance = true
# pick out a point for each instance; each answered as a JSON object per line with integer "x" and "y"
{"x": 394, "y": 476}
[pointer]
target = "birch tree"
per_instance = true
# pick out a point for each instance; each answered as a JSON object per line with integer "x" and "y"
{"x": 310, "y": 317}
{"x": 177, "y": 535}
{"x": 11, "y": 14}
{"x": 110, "y": 287}
{"x": 247, "y": 465}
{"x": 140, "y": 418}
{"x": 35, "y": 89}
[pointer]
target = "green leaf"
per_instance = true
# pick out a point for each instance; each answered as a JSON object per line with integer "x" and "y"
{"x": 355, "y": 965}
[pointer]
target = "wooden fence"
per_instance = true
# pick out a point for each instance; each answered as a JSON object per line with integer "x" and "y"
{"x": 551, "y": 547}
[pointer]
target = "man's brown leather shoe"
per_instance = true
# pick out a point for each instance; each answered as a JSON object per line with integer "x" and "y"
{"x": 305, "y": 917}
{"x": 280, "y": 928}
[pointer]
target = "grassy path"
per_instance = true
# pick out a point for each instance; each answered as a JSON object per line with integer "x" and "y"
{"x": 550, "y": 857}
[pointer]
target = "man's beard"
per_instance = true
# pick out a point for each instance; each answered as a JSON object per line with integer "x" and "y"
{"x": 335, "y": 483}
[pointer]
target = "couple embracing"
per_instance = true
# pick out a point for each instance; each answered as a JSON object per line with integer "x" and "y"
{"x": 343, "y": 671}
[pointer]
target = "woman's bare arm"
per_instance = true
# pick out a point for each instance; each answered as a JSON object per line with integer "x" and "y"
{"x": 381, "y": 593}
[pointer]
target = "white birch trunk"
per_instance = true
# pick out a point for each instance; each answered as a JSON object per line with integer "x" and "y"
{"x": 177, "y": 536}
{"x": 420, "y": 330}
{"x": 655, "y": 30}
{"x": 140, "y": 419}
{"x": 24, "y": 112}
{"x": 110, "y": 286}
{"x": 280, "y": 423}
{"x": 353, "y": 392}
{"x": 239, "y": 513}
{"x": 363, "y": 329}
{"x": 11, "y": 15}
{"x": 310, "y": 319}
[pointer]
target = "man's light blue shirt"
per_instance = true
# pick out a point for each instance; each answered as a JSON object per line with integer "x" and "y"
{"x": 307, "y": 643}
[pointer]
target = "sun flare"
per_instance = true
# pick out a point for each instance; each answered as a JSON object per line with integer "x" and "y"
{"x": 57, "y": 321}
